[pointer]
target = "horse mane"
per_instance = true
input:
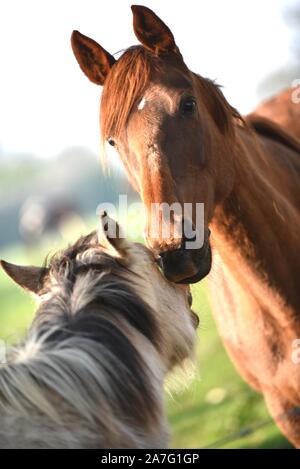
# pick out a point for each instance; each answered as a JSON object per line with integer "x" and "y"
{"x": 223, "y": 114}
{"x": 269, "y": 129}
{"x": 124, "y": 85}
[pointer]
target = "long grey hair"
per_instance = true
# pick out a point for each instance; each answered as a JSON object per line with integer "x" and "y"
{"x": 90, "y": 372}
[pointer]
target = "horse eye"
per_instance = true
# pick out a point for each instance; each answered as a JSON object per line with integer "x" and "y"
{"x": 188, "y": 106}
{"x": 111, "y": 142}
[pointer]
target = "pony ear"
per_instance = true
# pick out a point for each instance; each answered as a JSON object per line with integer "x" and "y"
{"x": 28, "y": 277}
{"x": 94, "y": 61}
{"x": 110, "y": 235}
{"x": 151, "y": 31}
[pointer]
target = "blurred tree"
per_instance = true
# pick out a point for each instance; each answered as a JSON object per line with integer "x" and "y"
{"x": 72, "y": 182}
{"x": 284, "y": 76}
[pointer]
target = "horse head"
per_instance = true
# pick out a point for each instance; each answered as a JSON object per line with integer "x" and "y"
{"x": 173, "y": 131}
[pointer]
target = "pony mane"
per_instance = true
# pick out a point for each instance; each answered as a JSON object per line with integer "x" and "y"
{"x": 78, "y": 354}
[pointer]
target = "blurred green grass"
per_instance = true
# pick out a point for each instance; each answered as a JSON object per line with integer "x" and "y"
{"x": 217, "y": 403}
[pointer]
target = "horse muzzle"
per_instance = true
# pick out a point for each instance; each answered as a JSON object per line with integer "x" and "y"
{"x": 187, "y": 265}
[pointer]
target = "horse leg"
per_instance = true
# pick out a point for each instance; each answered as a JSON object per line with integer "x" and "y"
{"x": 286, "y": 415}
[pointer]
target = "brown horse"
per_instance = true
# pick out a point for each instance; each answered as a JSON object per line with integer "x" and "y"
{"x": 284, "y": 109}
{"x": 181, "y": 141}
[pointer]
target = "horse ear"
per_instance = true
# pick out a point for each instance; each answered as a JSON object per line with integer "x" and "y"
{"x": 94, "y": 61}
{"x": 110, "y": 235}
{"x": 152, "y": 32}
{"x": 28, "y": 277}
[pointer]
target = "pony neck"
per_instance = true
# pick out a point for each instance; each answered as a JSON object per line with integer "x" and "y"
{"x": 257, "y": 224}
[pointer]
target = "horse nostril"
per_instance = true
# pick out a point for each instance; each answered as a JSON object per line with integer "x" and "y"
{"x": 186, "y": 265}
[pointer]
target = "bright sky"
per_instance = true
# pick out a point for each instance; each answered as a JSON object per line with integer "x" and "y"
{"x": 47, "y": 104}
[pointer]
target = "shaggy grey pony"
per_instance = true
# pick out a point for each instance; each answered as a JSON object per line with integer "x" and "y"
{"x": 107, "y": 329}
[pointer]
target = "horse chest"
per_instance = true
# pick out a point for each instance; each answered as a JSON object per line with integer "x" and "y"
{"x": 247, "y": 319}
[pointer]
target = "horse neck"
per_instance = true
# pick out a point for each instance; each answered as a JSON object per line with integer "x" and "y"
{"x": 258, "y": 222}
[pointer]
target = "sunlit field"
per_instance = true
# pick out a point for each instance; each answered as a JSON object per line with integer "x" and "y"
{"x": 214, "y": 408}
